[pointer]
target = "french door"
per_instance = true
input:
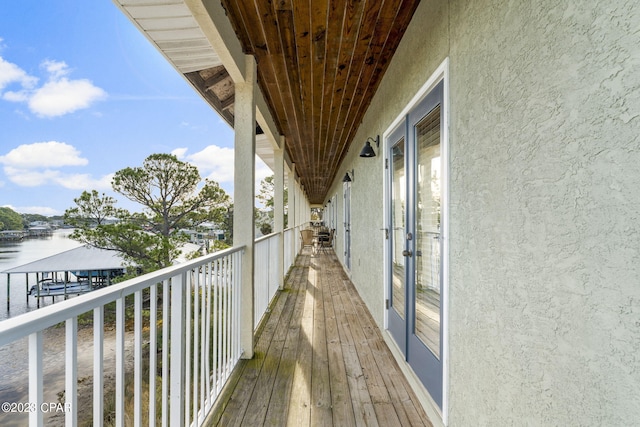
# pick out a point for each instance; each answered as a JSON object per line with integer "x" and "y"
{"x": 347, "y": 225}
{"x": 415, "y": 264}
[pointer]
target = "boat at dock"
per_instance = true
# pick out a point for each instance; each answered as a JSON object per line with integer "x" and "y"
{"x": 72, "y": 272}
{"x": 12, "y": 235}
{"x": 50, "y": 288}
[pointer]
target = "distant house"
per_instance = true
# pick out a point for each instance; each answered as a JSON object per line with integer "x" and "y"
{"x": 57, "y": 223}
{"x": 204, "y": 233}
{"x": 41, "y": 230}
{"x": 42, "y": 224}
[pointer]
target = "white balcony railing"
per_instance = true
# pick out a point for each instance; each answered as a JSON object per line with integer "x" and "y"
{"x": 290, "y": 248}
{"x": 266, "y": 281}
{"x": 181, "y": 325}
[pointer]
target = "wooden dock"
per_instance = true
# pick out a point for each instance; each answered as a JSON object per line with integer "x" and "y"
{"x": 319, "y": 360}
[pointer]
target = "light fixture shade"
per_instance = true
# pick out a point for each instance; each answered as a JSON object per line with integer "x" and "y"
{"x": 367, "y": 150}
{"x": 346, "y": 178}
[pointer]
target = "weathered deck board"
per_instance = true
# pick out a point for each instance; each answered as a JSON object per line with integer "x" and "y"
{"x": 319, "y": 360}
{"x": 281, "y": 394}
{"x": 321, "y": 412}
{"x": 340, "y": 396}
{"x": 300, "y": 403}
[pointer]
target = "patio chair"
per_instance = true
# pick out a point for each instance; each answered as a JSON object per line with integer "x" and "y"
{"x": 306, "y": 239}
{"x": 326, "y": 241}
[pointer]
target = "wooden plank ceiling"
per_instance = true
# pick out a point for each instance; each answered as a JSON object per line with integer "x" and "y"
{"x": 319, "y": 65}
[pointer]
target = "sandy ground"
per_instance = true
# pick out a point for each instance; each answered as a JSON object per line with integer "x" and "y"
{"x": 14, "y": 375}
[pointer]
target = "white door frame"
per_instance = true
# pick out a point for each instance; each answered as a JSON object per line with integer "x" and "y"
{"x": 440, "y": 74}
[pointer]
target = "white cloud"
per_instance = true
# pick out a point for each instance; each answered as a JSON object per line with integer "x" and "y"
{"x": 20, "y": 96}
{"x": 57, "y": 69}
{"x": 30, "y": 178}
{"x": 71, "y": 181}
{"x": 63, "y": 96}
{"x": 41, "y": 210}
{"x": 58, "y": 96}
{"x": 40, "y": 163}
{"x": 262, "y": 171}
{"x": 217, "y": 163}
{"x": 10, "y": 73}
{"x": 84, "y": 181}
{"x": 213, "y": 162}
{"x": 180, "y": 153}
{"x": 49, "y": 154}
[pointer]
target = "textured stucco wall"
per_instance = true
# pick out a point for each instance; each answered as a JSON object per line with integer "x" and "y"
{"x": 545, "y": 174}
{"x": 545, "y": 193}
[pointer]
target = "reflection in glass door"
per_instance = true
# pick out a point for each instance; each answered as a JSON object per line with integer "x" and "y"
{"x": 397, "y": 300}
{"x": 427, "y": 286}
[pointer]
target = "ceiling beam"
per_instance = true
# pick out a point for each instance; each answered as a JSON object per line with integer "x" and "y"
{"x": 218, "y": 77}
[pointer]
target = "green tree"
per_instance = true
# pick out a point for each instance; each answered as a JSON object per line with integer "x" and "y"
{"x": 92, "y": 209}
{"x": 167, "y": 190}
{"x": 10, "y": 219}
{"x": 265, "y": 196}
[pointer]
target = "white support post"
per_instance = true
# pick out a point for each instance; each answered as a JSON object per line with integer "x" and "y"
{"x": 98, "y": 357}
{"x": 303, "y": 204}
{"x": 297, "y": 189}
{"x": 153, "y": 345}
{"x": 137, "y": 359}
{"x": 301, "y": 217}
{"x": 293, "y": 197}
{"x": 35, "y": 379}
{"x": 177, "y": 350}
{"x": 244, "y": 194}
{"x": 71, "y": 372}
{"x": 119, "y": 416}
{"x": 278, "y": 210}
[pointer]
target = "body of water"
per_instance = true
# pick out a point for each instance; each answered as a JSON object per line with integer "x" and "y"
{"x": 14, "y": 357}
{"x": 14, "y": 254}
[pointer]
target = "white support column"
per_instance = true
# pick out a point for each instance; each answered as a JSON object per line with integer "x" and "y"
{"x": 303, "y": 205}
{"x": 307, "y": 207}
{"x": 293, "y": 198}
{"x": 298, "y": 201}
{"x": 299, "y": 208}
{"x": 244, "y": 194}
{"x": 278, "y": 209}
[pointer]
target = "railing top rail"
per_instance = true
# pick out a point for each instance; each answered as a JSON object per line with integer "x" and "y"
{"x": 25, "y": 324}
{"x": 267, "y": 237}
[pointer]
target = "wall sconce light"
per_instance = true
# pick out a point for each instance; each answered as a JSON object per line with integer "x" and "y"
{"x": 348, "y": 178}
{"x": 367, "y": 150}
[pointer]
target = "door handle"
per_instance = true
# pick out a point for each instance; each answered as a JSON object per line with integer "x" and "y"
{"x": 407, "y": 252}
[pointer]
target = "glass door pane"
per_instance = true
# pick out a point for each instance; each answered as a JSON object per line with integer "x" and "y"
{"x": 427, "y": 283}
{"x": 398, "y": 194}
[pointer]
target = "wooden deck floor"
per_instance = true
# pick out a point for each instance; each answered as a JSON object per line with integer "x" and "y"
{"x": 320, "y": 360}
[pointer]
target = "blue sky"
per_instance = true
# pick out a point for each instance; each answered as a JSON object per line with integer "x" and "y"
{"x": 84, "y": 94}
